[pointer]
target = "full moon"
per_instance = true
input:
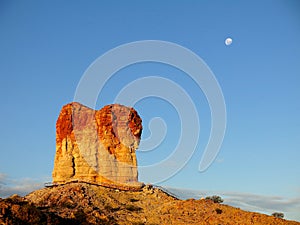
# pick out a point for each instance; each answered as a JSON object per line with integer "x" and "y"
{"x": 228, "y": 41}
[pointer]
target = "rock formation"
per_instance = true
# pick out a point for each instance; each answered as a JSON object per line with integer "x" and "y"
{"x": 97, "y": 145}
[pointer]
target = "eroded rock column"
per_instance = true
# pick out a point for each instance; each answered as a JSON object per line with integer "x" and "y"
{"x": 97, "y": 146}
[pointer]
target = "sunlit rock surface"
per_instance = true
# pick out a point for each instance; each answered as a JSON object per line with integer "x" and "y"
{"x": 97, "y": 145}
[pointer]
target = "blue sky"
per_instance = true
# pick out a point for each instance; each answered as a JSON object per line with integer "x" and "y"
{"x": 45, "y": 48}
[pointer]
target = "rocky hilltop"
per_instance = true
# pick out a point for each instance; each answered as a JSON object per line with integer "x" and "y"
{"x": 82, "y": 203}
{"x": 97, "y": 145}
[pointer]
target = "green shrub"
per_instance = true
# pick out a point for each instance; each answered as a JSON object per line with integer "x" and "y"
{"x": 215, "y": 198}
{"x": 278, "y": 215}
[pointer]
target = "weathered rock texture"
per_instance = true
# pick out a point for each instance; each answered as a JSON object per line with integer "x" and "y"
{"x": 78, "y": 203}
{"x": 97, "y": 145}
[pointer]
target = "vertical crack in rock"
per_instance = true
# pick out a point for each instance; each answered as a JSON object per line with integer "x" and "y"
{"x": 97, "y": 145}
{"x": 73, "y": 165}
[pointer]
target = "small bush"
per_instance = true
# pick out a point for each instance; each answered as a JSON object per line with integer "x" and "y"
{"x": 219, "y": 211}
{"x": 215, "y": 199}
{"x": 278, "y": 215}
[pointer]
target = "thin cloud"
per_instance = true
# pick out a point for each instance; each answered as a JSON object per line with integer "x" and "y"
{"x": 264, "y": 202}
{"x": 9, "y": 186}
{"x": 2, "y": 178}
